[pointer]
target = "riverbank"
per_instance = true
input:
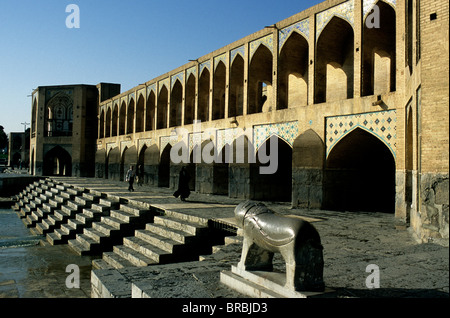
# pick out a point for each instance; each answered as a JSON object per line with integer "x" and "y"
{"x": 352, "y": 242}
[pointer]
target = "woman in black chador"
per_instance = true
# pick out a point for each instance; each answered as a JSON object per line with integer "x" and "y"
{"x": 183, "y": 185}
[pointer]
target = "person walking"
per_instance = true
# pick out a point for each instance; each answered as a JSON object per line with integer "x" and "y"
{"x": 131, "y": 174}
{"x": 183, "y": 190}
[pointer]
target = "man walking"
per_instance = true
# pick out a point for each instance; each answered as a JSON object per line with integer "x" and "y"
{"x": 131, "y": 174}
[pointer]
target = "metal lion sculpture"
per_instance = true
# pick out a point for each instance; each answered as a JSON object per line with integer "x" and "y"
{"x": 266, "y": 233}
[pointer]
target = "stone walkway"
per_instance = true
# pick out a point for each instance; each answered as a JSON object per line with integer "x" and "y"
{"x": 352, "y": 242}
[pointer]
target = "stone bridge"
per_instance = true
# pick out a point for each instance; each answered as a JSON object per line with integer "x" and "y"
{"x": 341, "y": 98}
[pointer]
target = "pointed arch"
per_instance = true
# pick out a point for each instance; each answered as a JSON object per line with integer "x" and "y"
{"x": 115, "y": 121}
{"x": 236, "y": 99}
{"x": 334, "y": 67}
{"x": 122, "y": 118}
{"x": 293, "y": 72}
{"x": 360, "y": 174}
{"x": 163, "y": 100}
{"x": 57, "y": 162}
{"x": 203, "y": 95}
{"x": 275, "y": 186}
{"x": 176, "y": 104}
{"x": 260, "y": 81}
{"x": 189, "y": 107}
{"x": 150, "y": 112}
{"x": 219, "y": 83}
{"x": 379, "y": 53}
{"x": 130, "y": 117}
{"x": 140, "y": 114}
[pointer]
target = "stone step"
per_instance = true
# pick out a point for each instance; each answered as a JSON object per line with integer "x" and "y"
{"x": 162, "y": 242}
{"x": 134, "y": 257}
{"x": 113, "y": 260}
{"x": 154, "y": 252}
{"x": 179, "y": 224}
{"x": 176, "y": 235}
{"x": 83, "y": 245}
{"x": 102, "y": 264}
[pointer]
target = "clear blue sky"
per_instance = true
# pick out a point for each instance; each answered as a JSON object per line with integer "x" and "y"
{"x": 125, "y": 42}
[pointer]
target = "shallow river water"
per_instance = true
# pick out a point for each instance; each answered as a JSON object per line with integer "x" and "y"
{"x": 30, "y": 270}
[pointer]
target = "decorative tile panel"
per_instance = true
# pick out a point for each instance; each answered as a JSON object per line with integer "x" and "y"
{"x": 192, "y": 70}
{"x": 179, "y": 76}
{"x": 141, "y": 92}
{"x": 301, "y": 27}
{"x": 164, "y": 82}
{"x": 204, "y": 65}
{"x": 344, "y": 11}
{"x": 110, "y": 146}
{"x": 220, "y": 58}
{"x": 368, "y": 5}
{"x": 381, "y": 124}
{"x": 151, "y": 88}
{"x": 144, "y": 142}
{"x": 240, "y": 50}
{"x": 166, "y": 140}
{"x": 195, "y": 139}
{"x": 286, "y": 131}
{"x": 267, "y": 41}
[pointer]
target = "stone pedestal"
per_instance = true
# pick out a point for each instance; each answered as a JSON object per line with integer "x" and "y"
{"x": 262, "y": 284}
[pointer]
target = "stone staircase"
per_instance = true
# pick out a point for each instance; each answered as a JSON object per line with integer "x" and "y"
{"x": 124, "y": 232}
{"x": 40, "y": 199}
{"x": 111, "y": 221}
{"x": 172, "y": 237}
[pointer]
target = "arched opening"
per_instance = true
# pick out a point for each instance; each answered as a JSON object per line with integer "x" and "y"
{"x": 33, "y": 118}
{"x": 236, "y": 99}
{"x": 260, "y": 81}
{"x": 130, "y": 117}
{"x": 129, "y": 158}
{"x": 308, "y": 154}
{"x": 240, "y": 159}
{"x": 57, "y": 162}
{"x": 379, "y": 53}
{"x": 334, "y": 76}
{"x": 218, "y": 110}
{"x": 113, "y": 164}
{"x": 122, "y": 119}
{"x": 32, "y": 163}
{"x": 176, "y": 103}
{"x": 150, "y": 112}
{"x": 293, "y": 72}
{"x": 140, "y": 168}
{"x": 102, "y": 125}
{"x": 409, "y": 164}
{"x": 59, "y": 116}
{"x": 189, "y": 107}
{"x": 360, "y": 175}
{"x": 140, "y": 114}
{"x": 164, "y": 168}
{"x": 220, "y": 173}
{"x": 203, "y": 96}
{"x": 115, "y": 121}
{"x": 162, "y": 108}
{"x": 272, "y": 186}
{"x": 100, "y": 163}
{"x": 151, "y": 165}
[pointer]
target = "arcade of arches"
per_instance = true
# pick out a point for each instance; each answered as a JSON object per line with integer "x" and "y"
{"x": 354, "y": 110}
